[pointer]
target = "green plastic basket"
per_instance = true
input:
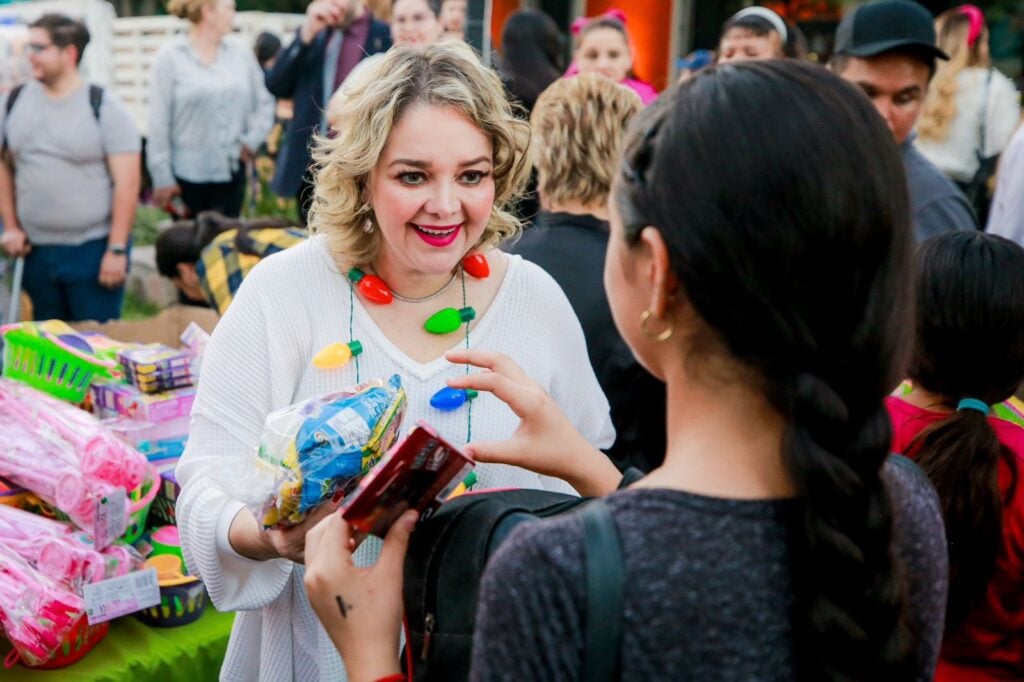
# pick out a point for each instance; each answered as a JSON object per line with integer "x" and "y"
{"x": 47, "y": 366}
{"x": 140, "y": 499}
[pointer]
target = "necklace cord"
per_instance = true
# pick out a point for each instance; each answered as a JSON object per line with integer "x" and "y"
{"x": 428, "y": 297}
{"x": 469, "y": 414}
{"x": 351, "y": 333}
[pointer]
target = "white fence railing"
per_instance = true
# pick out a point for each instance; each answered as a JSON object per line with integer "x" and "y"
{"x": 121, "y": 50}
{"x": 137, "y": 39}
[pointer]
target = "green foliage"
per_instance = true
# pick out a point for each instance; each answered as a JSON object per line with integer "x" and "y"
{"x": 137, "y": 308}
{"x": 147, "y": 224}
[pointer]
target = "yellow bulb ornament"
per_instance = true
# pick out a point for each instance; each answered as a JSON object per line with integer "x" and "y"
{"x": 336, "y": 355}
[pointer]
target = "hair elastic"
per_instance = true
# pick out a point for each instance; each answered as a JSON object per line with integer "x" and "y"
{"x": 768, "y": 15}
{"x": 580, "y": 23}
{"x": 973, "y": 404}
{"x": 976, "y": 19}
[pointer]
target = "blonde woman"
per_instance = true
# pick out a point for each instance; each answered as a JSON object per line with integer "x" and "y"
{"x": 972, "y": 109}
{"x": 208, "y": 111}
{"x": 419, "y": 175}
{"x": 578, "y": 128}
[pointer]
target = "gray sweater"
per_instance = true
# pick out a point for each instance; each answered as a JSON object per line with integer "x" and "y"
{"x": 708, "y": 588}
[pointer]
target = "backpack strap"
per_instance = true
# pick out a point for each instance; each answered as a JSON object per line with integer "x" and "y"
{"x": 12, "y": 97}
{"x": 95, "y": 100}
{"x": 602, "y": 637}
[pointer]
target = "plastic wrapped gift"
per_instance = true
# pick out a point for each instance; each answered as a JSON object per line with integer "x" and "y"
{"x": 317, "y": 450}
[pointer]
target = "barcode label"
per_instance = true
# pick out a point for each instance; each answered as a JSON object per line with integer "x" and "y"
{"x": 109, "y": 599}
{"x": 144, "y": 580}
{"x": 111, "y": 518}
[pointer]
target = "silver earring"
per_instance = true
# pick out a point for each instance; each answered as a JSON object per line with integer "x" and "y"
{"x": 368, "y": 226}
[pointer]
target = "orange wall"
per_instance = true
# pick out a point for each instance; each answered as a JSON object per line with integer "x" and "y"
{"x": 649, "y": 23}
{"x": 650, "y": 26}
{"x": 500, "y": 11}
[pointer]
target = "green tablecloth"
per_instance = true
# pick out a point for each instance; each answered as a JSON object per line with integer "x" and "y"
{"x": 135, "y": 651}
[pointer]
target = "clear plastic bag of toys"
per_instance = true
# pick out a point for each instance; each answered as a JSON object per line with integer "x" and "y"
{"x": 316, "y": 451}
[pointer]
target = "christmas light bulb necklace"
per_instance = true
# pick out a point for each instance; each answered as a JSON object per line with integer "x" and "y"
{"x": 445, "y": 321}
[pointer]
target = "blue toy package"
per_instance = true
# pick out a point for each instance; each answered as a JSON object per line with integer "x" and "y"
{"x": 318, "y": 449}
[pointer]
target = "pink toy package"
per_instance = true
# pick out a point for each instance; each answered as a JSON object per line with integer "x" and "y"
{"x": 60, "y": 552}
{"x": 68, "y": 459}
{"x": 36, "y": 613}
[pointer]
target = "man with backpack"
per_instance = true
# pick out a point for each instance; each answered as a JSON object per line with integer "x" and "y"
{"x": 69, "y": 180}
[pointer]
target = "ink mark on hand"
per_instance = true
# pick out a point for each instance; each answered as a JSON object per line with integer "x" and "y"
{"x": 342, "y": 606}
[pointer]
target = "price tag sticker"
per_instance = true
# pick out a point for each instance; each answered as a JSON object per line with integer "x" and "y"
{"x": 109, "y": 599}
{"x": 111, "y": 518}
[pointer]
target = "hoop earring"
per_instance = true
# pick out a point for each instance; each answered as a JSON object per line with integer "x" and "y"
{"x": 665, "y": 335}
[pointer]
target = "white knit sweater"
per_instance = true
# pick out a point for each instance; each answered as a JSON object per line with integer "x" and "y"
{"x": 291, "y": 305}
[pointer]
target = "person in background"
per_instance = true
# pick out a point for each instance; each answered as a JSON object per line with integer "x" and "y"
{"x": 603, "y": 45}
{"x": 759, "y": 33}
{"x": 413, "y": 22}
{"x": 1007, "y": 215}
{"x": 531, "y": 60}
{"x": 531, "y": 55}
{"x": 336, "y": 35}
{"x": 453, "y": 18}
{"x": 971, "y": 110}
{"x": 578, "y": 127}
{"x": 265, "y": 49}
{"x": 887, "y": 48}
{"x": 779, "y": 540}
{"x": 207, "y": 258}
{"x": 208, "y": 112}
{"x": 969, "y": 356}
{"x": 69, "y": 179}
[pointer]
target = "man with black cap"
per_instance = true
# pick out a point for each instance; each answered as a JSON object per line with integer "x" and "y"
{"x": 888, "y": 49}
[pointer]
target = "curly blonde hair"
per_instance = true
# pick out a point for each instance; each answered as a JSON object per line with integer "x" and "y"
{"x": 939, "y": 111}
{"x": 188, "y": 9}
{"x": 578, "y": 127}
{"x": 448, "y": 74}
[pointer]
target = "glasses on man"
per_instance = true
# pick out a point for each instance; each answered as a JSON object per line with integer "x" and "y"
{"x": 37, "y": 48}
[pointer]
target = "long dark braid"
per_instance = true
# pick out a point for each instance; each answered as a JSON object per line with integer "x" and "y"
{"x": 781, "y": 196}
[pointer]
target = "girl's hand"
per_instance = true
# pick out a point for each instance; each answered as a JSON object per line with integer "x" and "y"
{"x": 361, "y": 608}
{"x": 545, "y": 442}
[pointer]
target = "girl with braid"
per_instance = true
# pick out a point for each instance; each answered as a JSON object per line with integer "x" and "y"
{"x": 764, "y": 278}
{"x": 969, "y": 356}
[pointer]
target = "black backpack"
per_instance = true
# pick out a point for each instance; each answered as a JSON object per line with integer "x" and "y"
{"x": 446, "y": 559}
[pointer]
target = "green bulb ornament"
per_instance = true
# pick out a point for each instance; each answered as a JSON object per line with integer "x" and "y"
{"x": 447, "y": 320}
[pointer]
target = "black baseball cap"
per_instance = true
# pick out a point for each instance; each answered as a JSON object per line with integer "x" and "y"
{"x": 885, "y": 25}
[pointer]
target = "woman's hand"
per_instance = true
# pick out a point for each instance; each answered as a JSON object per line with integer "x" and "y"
{"x": 162, "y": 195}
{"x": 545, "y": 442}
{"x": 361, "y": 608}
{"x": 248, "y": 538}
{"x": 290, "y": 542}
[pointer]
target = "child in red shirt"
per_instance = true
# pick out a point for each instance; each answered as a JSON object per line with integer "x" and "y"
{"x": 969, "y": 355}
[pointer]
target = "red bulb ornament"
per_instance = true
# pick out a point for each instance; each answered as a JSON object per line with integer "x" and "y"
{"x": 371, "y": 287}
{"x": 476, "y": 265}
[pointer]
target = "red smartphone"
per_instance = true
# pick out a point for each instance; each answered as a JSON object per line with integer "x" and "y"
{"x": 418, "y": 473}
